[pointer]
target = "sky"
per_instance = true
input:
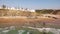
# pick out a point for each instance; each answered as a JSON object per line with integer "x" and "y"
{"x": 32, "y": 4}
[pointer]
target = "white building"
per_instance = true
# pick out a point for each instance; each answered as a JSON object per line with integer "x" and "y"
{"x": 32, "y": 10}
{"x": 13, "y": 8}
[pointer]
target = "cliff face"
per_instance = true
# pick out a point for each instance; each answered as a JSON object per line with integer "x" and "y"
{"x": 48, "y": 11}
{"x": 7, "y": 12}
{"x": 57, "y": 12}
{"x": 3, "y": 12}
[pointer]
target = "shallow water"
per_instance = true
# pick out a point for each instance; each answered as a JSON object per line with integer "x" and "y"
{"x": 13, "y": 30}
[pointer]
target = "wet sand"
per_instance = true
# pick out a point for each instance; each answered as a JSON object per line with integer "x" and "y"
{"x": 32, "y": 21}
